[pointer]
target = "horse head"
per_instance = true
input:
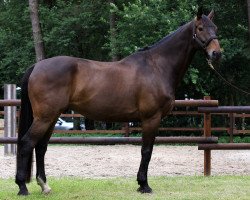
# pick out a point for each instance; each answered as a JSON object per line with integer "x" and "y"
{"x": 204, "y": 33}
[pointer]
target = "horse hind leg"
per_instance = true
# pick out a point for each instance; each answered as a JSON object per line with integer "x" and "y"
{"x": 24, "y": 163}
{"x": 149, "y": 128}
{"x": 36, "y": 132}
{"x": 40, "y": 150}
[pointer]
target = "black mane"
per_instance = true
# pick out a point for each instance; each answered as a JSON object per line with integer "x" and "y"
{"x": 162, "y": 40}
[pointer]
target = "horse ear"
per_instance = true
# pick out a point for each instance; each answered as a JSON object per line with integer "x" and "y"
{"x": 211, "y": 15}
{"x": 199, "y": 13}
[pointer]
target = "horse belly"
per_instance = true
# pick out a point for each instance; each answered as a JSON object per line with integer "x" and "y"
{"x": 102, "y": 110}
{"x": 107, "y": 94}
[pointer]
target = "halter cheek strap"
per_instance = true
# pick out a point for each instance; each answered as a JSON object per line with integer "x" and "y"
{"x": 202, "y": 44}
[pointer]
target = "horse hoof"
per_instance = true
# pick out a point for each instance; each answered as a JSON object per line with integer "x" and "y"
{"x": 46, "y": 191}
{"x": 145, "y": 189}
{"x": 23, "y": 193}
{"x": 44, "y": 186}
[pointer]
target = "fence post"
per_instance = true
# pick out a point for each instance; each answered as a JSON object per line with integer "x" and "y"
{"x": 9, "y": 119}
{"x": 126, "y": 127}
{"x": 232, "y": 126}
{"x": 207, "y": 133}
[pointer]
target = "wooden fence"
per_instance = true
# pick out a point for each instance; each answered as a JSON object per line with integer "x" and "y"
{"x": 206, "y": 142}
{"x": 207, "y": 133}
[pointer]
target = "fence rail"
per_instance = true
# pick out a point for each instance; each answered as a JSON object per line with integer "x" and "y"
{"x": 231, "y": 130}
{"x": 225, "y": 109}
{"x": 235, "y": 146}
{"x": 119, "y": 140}
{"x": 178, "y": 103}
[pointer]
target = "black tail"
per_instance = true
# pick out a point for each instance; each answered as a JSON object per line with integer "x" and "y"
{"x": 26, "y": 119}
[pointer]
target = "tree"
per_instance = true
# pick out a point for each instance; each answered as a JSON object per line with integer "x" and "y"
{"x": 36, "y": 28}
{"x": 75, "y": 28}
{"x": 248, "y": 11}
{"x": 112, "y": 24}
{"x": 17, "y": 48}
{"x": 78, "y": 28}
{"x": 142, "y": 23}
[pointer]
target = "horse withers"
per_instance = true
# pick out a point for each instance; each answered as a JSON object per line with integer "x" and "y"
{"x": 139, "y": 87}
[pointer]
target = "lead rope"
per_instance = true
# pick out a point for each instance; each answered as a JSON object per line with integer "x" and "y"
{"x": 226, "y": 81}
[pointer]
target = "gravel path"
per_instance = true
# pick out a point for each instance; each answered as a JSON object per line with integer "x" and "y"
{"x": 123, "y": 161}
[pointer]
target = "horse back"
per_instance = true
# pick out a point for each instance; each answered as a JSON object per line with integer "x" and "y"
{"x": 89, "y": 87}
{"x": 111, "y": 91}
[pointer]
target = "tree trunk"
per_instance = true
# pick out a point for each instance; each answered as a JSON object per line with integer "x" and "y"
{"x": 112, "y": 24}
{"x": 248, "y": 11}
{"x": 37, "y": 35}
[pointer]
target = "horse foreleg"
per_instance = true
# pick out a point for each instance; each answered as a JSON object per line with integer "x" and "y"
{"x": 149, "y": 128}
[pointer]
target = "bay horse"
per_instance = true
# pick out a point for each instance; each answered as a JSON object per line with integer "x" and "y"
{"x": 139, "y": 87}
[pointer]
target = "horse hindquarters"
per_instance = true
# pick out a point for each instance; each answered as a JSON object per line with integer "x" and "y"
{"x": 32, "y": 133}
{"x": 23, "y": 173}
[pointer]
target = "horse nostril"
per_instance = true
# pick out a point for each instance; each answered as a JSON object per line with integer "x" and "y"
{"x": 216, "y": 54}
{"x": 219, "y": 54}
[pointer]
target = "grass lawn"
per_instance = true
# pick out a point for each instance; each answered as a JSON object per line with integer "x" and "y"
{"x": 190, "y": 187}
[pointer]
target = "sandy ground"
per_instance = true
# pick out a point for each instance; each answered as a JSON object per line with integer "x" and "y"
{"x": 123, "y": 161}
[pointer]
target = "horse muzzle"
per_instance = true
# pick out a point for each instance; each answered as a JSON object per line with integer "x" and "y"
{"x": 214, "y": 56}
{"x": 213, "y": 51}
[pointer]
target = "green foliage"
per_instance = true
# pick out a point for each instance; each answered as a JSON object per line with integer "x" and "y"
{"x": 82, "y": 29}
{"x": 143, "y": 23}
{"x": 17, "y": 51}
{"x": 231, "y": 19}
{"x": 75, "y": 28}
{"x": 87, "y": 135}
{"x": 243, "y": 139}
{"x": 236, "y": 139}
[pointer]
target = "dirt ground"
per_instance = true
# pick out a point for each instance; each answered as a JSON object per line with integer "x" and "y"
{"x": 123, "y": 161}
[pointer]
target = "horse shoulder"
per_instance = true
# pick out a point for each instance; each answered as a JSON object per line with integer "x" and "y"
{"x": 154, "y": 96}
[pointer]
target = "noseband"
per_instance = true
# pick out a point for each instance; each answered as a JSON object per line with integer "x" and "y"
{"x": 202, "y": 44}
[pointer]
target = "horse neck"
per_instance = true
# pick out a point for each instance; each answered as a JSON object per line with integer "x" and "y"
{"x": 173, "y": 56}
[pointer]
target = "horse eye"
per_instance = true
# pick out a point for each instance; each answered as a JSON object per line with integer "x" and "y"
{"x": 200, "y": 29}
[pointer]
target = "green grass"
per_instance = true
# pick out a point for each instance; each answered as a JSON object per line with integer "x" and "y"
{"x": 188, "y": 188}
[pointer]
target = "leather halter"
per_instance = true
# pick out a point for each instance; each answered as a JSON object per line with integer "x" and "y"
{"x": 202, "y": 44}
